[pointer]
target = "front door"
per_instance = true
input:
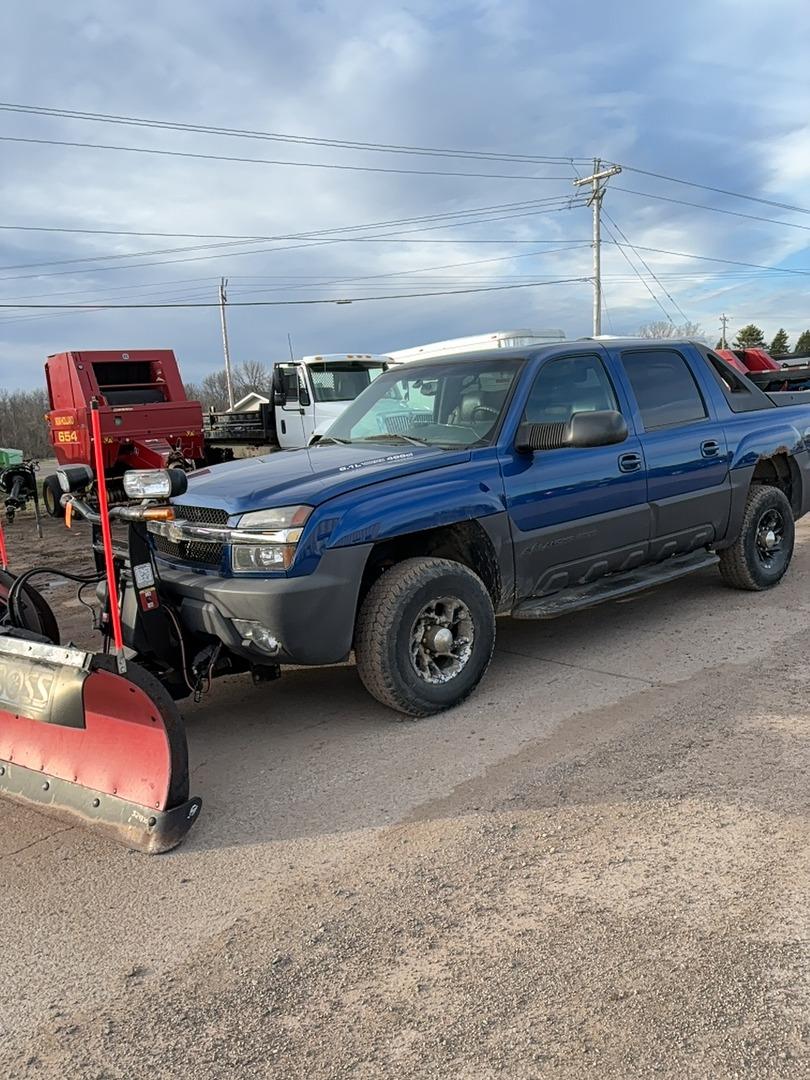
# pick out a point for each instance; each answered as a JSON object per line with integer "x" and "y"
{"x": 688, "y": 481}
{"x": 291, "y": 428}
{"x": 575, "y": 513}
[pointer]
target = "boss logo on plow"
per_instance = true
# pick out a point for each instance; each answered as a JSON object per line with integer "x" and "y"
{"x": 25, "y": 687}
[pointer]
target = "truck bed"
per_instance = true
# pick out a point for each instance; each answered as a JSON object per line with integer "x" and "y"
{"x": 254, "y": 428}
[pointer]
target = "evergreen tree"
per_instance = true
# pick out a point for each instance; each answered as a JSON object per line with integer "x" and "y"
{"x": 750, "y": 337}
{"x": 803, "y": 343}
{"x": 779, "y": 344}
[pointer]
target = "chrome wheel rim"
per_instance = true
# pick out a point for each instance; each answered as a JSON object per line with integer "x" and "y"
{"x": 441, "y": 640}
{"x": 770, "y": 537}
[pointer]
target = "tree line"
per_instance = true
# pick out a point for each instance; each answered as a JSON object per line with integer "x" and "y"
{"x": 22, "y": 422}
{"x": 752, "y": 337}
{"x": 748, "y": 337}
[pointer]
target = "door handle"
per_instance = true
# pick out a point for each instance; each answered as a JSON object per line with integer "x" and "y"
{"x": 630, "y": 462}
{"x": 710, "y": 448}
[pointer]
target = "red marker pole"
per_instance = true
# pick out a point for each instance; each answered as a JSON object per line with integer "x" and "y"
{"x": 3, "y": 551}
{"x": 106, "y": 531}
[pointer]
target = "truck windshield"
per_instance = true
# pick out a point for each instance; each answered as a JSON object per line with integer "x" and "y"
{"x": 342, "y": 380}
{"x": 448, "y": 403}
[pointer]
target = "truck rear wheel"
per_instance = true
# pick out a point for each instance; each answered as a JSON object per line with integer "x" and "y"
{"x": 424, "y": 636}
{"x": 761, "y": 554}
{"x": 51, "y": 494}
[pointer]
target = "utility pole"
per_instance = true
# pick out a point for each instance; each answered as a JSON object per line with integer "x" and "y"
{"x": 598, "y": 181}
{"x": 223, "y": 300}
{"x": 724, "y": 324}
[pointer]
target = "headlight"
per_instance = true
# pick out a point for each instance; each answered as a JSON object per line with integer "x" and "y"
{"x": 154, "y": 483}
{"x": 74, "y": 477}
{"x": 266, "y": 539}
{"x": 281, "y": 517}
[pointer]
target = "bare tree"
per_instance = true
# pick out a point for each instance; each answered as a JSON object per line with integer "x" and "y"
{"x": 252, "y": 375}
{"x": 664, "y": 329}
{"x": 22, "y": 422}
{"x": 249, "y": 376}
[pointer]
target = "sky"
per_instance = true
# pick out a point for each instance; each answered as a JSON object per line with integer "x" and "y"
{"x": 714, "y": 92}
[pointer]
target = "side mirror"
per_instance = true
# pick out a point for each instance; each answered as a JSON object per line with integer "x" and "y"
{"x": 278, "y": 392}
{"x": 303, "y": 396}
{"x": 584, "y": 429}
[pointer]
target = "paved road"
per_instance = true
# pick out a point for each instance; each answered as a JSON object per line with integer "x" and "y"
{"x": 304, "y": 779}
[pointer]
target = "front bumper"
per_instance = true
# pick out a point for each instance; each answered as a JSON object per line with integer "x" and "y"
{"x": 311, "y": 616}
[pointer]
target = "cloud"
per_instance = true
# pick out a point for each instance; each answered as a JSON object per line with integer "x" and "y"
{"x": 506, "y": 76}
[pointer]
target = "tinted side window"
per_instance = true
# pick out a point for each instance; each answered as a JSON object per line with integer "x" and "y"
{"x": 289, "y": 377}
{"x": 568, "y": 385}
{"x": 664, "y": 386}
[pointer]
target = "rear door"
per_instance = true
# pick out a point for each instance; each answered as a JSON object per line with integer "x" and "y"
{"x": 684, "y": 445}
{"x": 575, "y": 513}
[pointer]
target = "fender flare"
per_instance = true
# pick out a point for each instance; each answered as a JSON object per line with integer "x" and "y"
{"x": 743, "y": 476}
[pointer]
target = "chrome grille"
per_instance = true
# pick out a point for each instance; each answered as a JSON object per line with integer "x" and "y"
{"x": 197, "y": 551}
{"x": 401, "y": 423}
{"x": 206, "y": 553}
{"x": 202, "y": 515}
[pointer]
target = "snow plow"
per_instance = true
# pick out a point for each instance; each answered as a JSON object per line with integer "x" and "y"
{"x": 95, "y": 737}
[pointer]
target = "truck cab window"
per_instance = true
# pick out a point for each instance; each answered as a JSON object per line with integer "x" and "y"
{"x": 664, "y": 387}
{"x": 342, "y": 380}
{"x": 566, "y": 386}
{"x": 291, "y": 386}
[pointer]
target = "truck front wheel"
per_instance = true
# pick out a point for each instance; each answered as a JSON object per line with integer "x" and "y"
{"x": 424, "y": 636}
{"x": 761, "y": 554}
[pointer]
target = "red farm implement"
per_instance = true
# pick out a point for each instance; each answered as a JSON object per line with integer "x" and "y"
{"x": 146, "y": 419}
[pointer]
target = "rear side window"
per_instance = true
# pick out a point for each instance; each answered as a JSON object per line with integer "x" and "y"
{"x": 664, "y": 387}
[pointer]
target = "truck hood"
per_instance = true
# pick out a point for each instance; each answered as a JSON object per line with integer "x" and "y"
{"x": 309, "y": 476}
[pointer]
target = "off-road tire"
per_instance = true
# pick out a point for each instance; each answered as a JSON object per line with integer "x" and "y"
{"x": 742, "y": 565}
{"x": 51, "y": 494}
{"x": 384, "y": 627}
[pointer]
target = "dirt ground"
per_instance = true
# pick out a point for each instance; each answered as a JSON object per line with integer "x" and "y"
{"x": 597, "y": 867}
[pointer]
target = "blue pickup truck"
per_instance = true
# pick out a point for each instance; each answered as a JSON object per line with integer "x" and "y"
{"x": 527, "y": 482}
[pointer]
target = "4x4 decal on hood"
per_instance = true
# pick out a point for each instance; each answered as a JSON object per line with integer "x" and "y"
{"x": 376, "y": 461}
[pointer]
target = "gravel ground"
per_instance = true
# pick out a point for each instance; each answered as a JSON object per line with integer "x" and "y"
{"x": 625, "y": 896}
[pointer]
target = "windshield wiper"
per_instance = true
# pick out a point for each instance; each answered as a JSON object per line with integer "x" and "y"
{"x": 332, "y": 438}
{"x": 393, "y": 436}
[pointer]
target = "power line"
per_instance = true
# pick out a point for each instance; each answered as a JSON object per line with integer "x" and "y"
{"x": 718, "y": 190}
{"x": 307, "y": 140}
{"x": 647, "y": 267}
{"x": 398, "y": 148}
{"x": 637, "y": 272}
{"x": 730, "y": 262}
{"x": 272, "y": 161}
{"x": 713, "y": 209}
{"x": 473, "y": 214}
{"x": 285, "y": 236}
{"x": 316, "y": 242}
{"x": 365, "y": 280}
{"x": 310, "y": 281}
{"x": 287, "y": 303}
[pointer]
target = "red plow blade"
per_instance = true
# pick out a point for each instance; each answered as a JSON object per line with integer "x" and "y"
{"x": 84, "y": 740}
